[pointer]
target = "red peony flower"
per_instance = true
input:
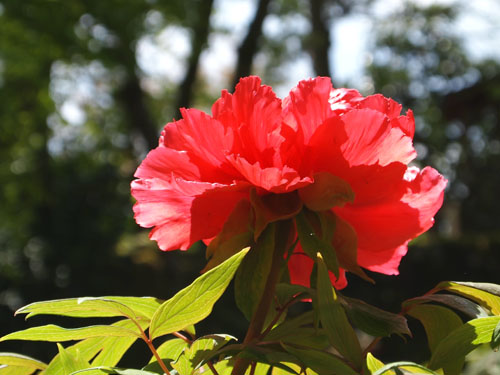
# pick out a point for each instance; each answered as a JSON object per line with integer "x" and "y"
{"x": 335, "y": 150}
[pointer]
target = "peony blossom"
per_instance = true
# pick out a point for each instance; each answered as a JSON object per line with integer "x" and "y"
{"x": 331, "y": 150}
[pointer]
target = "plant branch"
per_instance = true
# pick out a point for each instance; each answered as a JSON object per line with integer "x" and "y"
{"x": 149, "y": 342}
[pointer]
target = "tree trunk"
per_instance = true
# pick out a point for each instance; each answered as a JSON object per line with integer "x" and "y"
{"x": 248, "y": 47}
{"x": 201, "y": 30}
{"x": 319, "y": 39}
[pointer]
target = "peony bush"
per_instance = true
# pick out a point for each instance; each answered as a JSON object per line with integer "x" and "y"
{"x": 292, "y": 197}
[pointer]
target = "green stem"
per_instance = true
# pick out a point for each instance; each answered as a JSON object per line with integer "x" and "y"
{"x": 256, "y": 326}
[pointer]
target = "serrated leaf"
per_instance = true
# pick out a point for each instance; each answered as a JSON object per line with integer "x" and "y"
{"x": 195, "y": 302}
{"x": 464, "y": 305}
{"x": 408, "y": 366}
{"x": 14, "y": 359}
{"x": 321, "y": 362}
{"x": 334, "y": 320}
{"x": 55, "y": 333}
{"x": 251, "y": 278}
{"x": 73, "y": 307}
{"x": 462, "y": 341}
{"x": 374, "y": 321}
{"x": 484, "y": 298}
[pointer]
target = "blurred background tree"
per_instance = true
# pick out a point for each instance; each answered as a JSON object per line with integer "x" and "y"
{"x": 86, "y": 86}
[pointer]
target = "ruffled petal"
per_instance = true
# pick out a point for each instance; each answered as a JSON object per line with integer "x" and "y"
{"x": 183, "y": 212}
{"x": 388, "y": 224}
{"x": 273, "y": 179}
{"x": 165, "y": 163}
{"x": 300, "y": 267}
{"x": 253, "y": 113}
{"x": 307, "y": 107}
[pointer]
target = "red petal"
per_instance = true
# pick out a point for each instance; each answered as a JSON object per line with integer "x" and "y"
{"x": 381, "y": 104}
{"x": 205, "y": 141}
{"x": 307, "y": 106}
{"x": 253, "y": 113}
{"x": 386, "y": 261}
{"x": 165, "y": 163}
{"x": 343, "y": 100}
{"x": 184, "y": 212}
{"x": 372, "y": 140}
{"x": 276, "y": 180}
{"x": 300, "y": 267}
{"x": 385, "y": 226}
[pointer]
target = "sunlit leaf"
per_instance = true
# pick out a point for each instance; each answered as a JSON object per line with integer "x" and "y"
{"x": 373, "y": 365}
{"x": 195, "y": 302}
{"x": 198, "y": 352}
{"x": 462, "y": 341}
{"x": 14, "y": 359}
{"x": 55, "y": 333}
{"x": 16, "y": 370}
{"x": 410, "y": 367}
{"x": 89, "y": 307}
{"x": 334, "y": 319}
{"x": 71, "y": 363}
{"x": 470, "y": 290}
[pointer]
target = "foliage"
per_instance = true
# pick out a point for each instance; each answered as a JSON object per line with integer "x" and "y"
{"x": 293, "y": 346}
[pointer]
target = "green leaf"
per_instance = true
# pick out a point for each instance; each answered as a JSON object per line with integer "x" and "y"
{"x": 312, "y": 243}
{"x": 198, "y": 352}
{"x": 334, "y": 319}
{"x": 374, "y": 321}
{"x": 484, "y": 298}
{"x": 90, "y": 307}
{"x": 495, "y": 338}
{"x": 251, "y": 278}
{"x": 462, "y": 341}
{"x": 109, "y": 350}
{"x": 100, "y": 370}
{"x": 71, "y": 363}
{"x": 469, "y": 308}
{"x": 195, "y": 302}
{"x": 288, "y": 327}
{"x": 170, "y": 350}
{"x": 19, "y": 360}
{"x": 373, "y": 364}
{"x": 408, "y": 366}
{"x": 438, "y": 322}
{"x": 321, "y": 362}
{"x": 55, "y": 333}
{"x": 16, "y": 370}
